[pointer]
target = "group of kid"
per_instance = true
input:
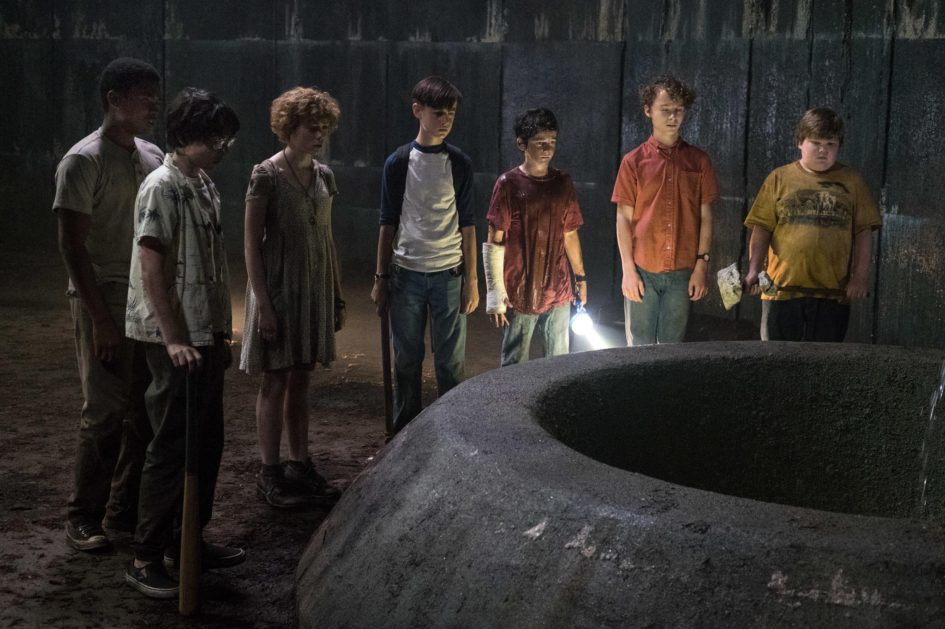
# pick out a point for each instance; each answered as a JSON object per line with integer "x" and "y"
{"x": 141, "y": 238}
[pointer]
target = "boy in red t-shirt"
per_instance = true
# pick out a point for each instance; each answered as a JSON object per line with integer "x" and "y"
{"x": 664, "y": 194}
{"x": 533, "y": 245}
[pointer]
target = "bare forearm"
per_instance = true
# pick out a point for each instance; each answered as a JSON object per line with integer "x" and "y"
{"x": 73, "y": 229}
{"x": 385, "y": 248}
{"x": 469, "y": 254}
{"x": 705, "y": 228}
{"x": 862, "y": 255}
{"x": 157, "y": 290}
{"x": 572, "y": 248}
{"x": 758, "y": 248}
{"x": 625, "y": 237}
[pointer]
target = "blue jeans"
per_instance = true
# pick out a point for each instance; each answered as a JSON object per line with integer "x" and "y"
{"x": 413, "y": 296}
{"x": 517, "y": 339}
{"x": 664, "y": 312}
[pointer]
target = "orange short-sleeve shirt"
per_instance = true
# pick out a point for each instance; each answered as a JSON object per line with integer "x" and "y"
{"x": 666, "y": 186}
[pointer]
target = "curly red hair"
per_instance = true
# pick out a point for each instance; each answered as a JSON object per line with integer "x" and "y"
{"x": 299, "y": 104}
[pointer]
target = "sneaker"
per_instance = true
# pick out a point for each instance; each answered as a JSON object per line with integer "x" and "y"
{"x": 86, "y": 536}
{"x": 304, "y": 474}
{"x": 151, "y": 580}
{"x": 212, "y": 557}
{"x": 272, "y": 488}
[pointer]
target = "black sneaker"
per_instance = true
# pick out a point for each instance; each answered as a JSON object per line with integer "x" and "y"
{"x": 151, "y": 580}
{"x": 304, "y": 474}
{"x": 272, "y": 488}
{"x": 212, "y": 557}
{"x": 86, "y": 536}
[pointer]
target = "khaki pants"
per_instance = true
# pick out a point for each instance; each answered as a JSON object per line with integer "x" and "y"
{"x": 113, "y": 430}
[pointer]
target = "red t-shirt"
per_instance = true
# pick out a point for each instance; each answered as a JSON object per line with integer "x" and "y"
{"x": 666, "y": 187}
{"x": 535, "y": 213}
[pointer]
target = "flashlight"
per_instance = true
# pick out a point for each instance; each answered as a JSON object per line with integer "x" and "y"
{"x": 581, "y": 322}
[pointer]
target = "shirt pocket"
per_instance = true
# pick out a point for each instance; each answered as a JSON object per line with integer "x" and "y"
{"x": 690, "y": 186}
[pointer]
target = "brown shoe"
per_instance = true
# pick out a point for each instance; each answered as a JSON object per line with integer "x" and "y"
{"x": 305, "y": 476}
{"x": 272, "y": 488}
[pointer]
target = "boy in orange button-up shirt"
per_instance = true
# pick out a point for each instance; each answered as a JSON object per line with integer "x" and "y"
{"x": 664, "y": 194}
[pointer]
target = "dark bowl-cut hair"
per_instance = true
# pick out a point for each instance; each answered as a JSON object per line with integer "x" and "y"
{"x": 678, "y": 90}
{"x": 436, "y": 92}
{"x": 819, "y": 123}
{"x": 533, "y": 122}
{"x": 123, "y": 74}
{"x": 196, "y": 115}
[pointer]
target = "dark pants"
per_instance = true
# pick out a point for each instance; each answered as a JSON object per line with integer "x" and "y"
{"x": 804, "y": 319}
{"x": 162, "y": 479}
{"x": 113, "y": 429}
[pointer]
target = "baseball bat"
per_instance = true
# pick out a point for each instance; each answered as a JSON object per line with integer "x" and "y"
{"x": 190, "y": 519}
{"x": 388, "y": 384}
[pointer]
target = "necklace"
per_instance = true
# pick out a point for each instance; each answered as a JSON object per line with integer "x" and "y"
{"x": 305, "y": 189}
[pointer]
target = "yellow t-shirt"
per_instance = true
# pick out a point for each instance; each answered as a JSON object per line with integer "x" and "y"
{"x": 812, "y": 218}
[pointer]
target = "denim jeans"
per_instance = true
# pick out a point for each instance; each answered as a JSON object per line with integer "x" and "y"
{"x": 517, "y": 339}
{"x": 162, "y": 479}
{"x": 114, "y": 429}
{"x": 664, "y": 312}
{"x": 804, "y": 319}
{"x": 414, "y": 297}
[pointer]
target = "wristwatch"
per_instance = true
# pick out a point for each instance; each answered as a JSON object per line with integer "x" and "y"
{"x": 703, "y": 256}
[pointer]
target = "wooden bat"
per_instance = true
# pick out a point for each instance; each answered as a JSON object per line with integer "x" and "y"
{"x": 388, "y": 384}
{"x": 190, "y": 515}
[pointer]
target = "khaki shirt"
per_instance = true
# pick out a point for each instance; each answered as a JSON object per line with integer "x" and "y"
{"x": 100, "y": 178}
{"x": 183, "y": 214}
{"x": 812, "y": 218}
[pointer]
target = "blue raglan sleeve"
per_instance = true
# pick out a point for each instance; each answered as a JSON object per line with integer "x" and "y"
{"x": 463, "y": 183}
{"x": 392, "y": 190}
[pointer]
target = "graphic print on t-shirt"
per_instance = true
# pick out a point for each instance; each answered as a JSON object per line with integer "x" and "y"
{"x": 828, "y": 207}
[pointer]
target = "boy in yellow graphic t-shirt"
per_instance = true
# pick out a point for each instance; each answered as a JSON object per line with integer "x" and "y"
{"x": 813, "y": 220}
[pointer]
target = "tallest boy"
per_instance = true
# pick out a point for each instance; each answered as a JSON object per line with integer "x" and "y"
{"x": 426, "y": 249}
{"x": 664, "y": 194}
{"x": 96, "y": 184}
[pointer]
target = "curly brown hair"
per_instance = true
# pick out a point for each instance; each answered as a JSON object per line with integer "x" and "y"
{"x": 299, "y": 104}
{"x": 676, "y": 89}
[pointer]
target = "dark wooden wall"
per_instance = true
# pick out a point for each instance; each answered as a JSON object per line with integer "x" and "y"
{"x": 756, "y": 64}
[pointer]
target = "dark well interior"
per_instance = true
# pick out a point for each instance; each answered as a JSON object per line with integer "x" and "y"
{"x": 838, "y": 433}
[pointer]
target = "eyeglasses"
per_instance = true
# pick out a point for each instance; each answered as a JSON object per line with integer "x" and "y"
{"x": 220, "y": 144}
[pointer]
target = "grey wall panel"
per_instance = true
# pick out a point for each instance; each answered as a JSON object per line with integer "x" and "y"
{"x": 599, "y": 242}
{"x": 580, "y": 83}
{"x": 109, "y": 19}
{"x": 726, "y": 246}
{"x": 911, "y": 295}
{"x": 644, "y": 20}
{"x": 360, "y": 137}
{"x": 475, "y": 69}
{"x": 361, "y": 187}
{"x": 27, "y": 132}
{"x": 222, "y": 68}
{"x": 916, "y": 133}
{"x": 27, "y": 19}
{"x": 777, "y": 100}
{"x": 863, "y": 311}
{"x": 572, "y": 20}
{"x": 329, "y": 20}
{"x": 216, "y": 20}
{"x": 439, "y": 21}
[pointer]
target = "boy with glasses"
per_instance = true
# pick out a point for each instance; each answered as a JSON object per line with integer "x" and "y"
{"x": 664, "y": 194}
{"x": 179, "y": 311}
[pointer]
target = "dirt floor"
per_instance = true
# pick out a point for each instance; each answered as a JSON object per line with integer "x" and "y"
{"x": 44, "y": 583}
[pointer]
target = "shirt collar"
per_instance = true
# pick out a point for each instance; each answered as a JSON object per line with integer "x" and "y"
{"x": 439, "y": 148}
{"x": 668, "y": 151}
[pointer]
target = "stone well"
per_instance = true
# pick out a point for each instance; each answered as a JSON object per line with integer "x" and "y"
{"x": 696, "y": 485}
